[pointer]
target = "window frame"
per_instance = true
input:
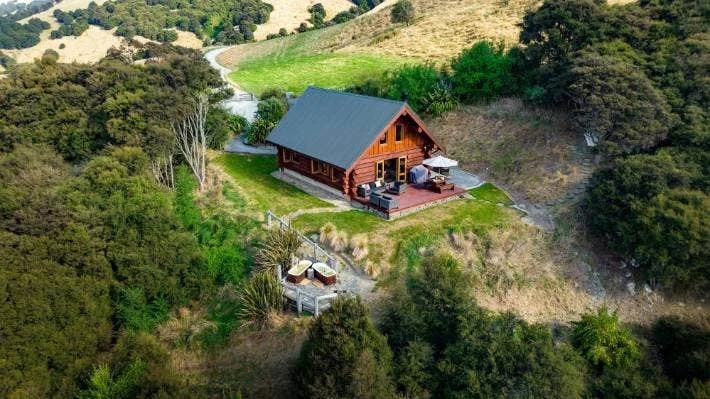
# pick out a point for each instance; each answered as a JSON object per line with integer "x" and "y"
{"x": 398, "y": 132}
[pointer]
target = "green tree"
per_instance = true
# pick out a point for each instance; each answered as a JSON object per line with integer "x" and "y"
{"x": 603, "y": 342}
{"x": 616, "y": 102}
{"x": 482, "y": 73}
{"x": 413, "y": 83}
{"x": 344, "y": 355}
{"x": 403, "y": 12}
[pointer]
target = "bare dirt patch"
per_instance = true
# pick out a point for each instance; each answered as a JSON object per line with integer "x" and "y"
{"x": 289, "y": 14}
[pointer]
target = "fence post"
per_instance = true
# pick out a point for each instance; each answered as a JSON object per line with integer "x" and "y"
{"x": 317, "y": 301}
{"x": 268, "y": 218}
{"x": 299, "y": 303}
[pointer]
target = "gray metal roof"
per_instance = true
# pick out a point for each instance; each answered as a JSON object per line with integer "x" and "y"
{"x": 333, "y": 126}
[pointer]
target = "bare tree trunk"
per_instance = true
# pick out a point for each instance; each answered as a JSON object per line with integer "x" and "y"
{"x": 162, "y": 168}
{"x": 191, "y": 139}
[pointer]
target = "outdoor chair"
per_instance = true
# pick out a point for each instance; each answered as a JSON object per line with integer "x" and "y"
{"x": 398, "y": 188}
{"x": 388, "y": 202}
{"x": 375, "y": 198}
{"x": 363, "y": 190}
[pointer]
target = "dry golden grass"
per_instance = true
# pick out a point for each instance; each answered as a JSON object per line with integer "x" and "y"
{"x": 444, "y": 27}
{"x": 289, "y": 14}
{"x": 90, "y": 47}
{"x": 531, "y": 150}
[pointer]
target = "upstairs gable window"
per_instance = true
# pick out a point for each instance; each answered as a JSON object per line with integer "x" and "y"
{"x": 383, "y": 139}
{"x": 398, "y": 132}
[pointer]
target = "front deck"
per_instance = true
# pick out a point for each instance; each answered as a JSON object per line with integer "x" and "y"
{"x": 414, "y": 199}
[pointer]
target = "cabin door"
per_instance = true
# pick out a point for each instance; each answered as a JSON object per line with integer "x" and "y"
{"x": 402, "y": 169}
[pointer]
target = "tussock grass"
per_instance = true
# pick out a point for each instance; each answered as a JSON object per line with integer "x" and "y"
{"x": 359, "y": 246}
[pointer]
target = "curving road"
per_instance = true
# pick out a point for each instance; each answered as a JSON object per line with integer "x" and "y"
{"x": 242, "y": 103}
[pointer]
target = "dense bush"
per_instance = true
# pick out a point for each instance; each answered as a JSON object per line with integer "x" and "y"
{"x": 684, "y": 348}
{"x": 634, "y": 79}
{"x": 97, "y": 248}
{"x": 446, "y": 346}
{"x": 344, "y": 355}
{"x": 650, "y": 208}
{"x": 111, "y": 103}
{"x": 413, "y": 83}
{"x": 482, "y": 73}
{"x": 15, "y": 35}
{"x": 219, "y": 21}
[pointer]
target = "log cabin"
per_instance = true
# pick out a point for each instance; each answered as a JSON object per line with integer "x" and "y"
{"x": 344, "y": 140}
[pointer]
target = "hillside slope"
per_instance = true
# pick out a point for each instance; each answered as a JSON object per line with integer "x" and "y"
{"x": 442, "y": 28}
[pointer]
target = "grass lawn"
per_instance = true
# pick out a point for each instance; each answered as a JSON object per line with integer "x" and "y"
{"x": 293, "y": 72}
{"x": 489, "y": 192}
{"x": 260, "y": 190}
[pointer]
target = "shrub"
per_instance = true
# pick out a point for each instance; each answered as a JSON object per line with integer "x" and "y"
{"x": 262, "y": 301}
{"x": 278, "y": 94}
{"x": 237, "y": 124}
{"x": 482, "y": 73}
{"x": 439, "y": 101}
{"x": 218, "y": 127}
{"x": 105, "y": 384}
{"x": 403, "y": 12}
{"x": 50, "y": 57}
{"x": 272, "y": 108}
{"x": 344, "y": 355}
{"x": 413, "y": 82}
{"x": 603, "y": 342}
{"x": 62, "y": 46}
{"x": 135, "y": 313}
{"x": 283, "y": 32}
{"x": 259, "y": 131}
{"x": 278, "y": 247}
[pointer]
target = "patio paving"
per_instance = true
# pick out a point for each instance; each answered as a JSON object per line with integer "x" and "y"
{"x": 464, "y": 179}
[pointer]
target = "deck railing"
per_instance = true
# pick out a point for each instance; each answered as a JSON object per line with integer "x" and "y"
{"x": 318, "y": 253}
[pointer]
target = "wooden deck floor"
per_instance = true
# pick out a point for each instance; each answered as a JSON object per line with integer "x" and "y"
{"x": 413, "y": 199}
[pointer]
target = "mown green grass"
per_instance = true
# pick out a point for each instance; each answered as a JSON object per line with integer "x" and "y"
{"x": 260, "y": 190}
{"x": 352, "y": 222}
{"x": 295, "y": 72}
{"x": 489, "y": 192}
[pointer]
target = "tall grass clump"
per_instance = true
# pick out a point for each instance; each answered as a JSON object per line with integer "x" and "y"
{"x": 334, "y": 239}
{"x": 359, "y": 247}
{"x": 278, "y": 247}
{"x": 262, "y": 301}
{"x": 183, "y": 329}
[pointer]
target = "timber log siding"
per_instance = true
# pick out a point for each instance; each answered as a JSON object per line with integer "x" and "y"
{"x": 320, "y": 171}
{"x": 414, "y": 146}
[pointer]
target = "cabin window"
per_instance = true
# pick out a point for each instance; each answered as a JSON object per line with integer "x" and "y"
{"x": 320, "y": 167}
{"x": 383, "y": 139}
{"x": 398, "y": 132}
{"x": 380, "y": 168}
{"x": 290, "y": 156}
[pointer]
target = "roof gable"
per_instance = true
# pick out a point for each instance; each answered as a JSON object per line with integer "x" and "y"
{"x": 335, "y": 127}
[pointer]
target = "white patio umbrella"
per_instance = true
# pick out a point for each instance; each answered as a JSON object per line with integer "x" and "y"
{"x": 440, "y": 162}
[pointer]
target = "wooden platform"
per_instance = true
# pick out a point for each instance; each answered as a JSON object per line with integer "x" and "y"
{"x": 414, "y": 199}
